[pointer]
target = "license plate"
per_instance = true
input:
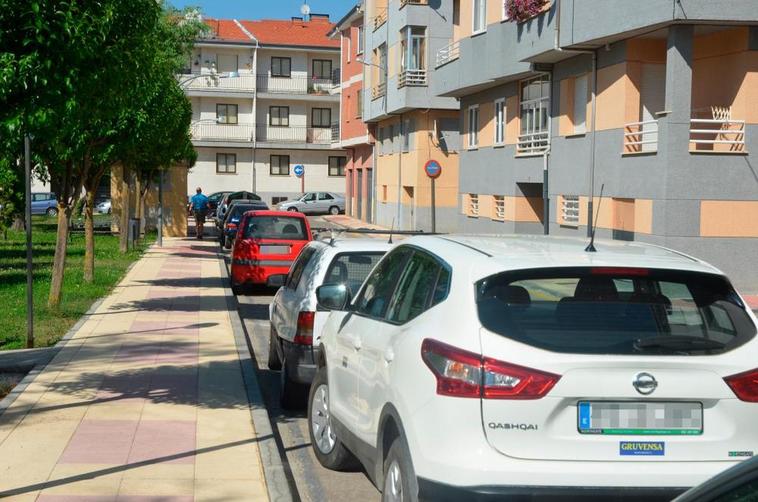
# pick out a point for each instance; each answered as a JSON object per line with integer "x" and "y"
{"x": 640, "y": 418}
{"x": 272, "y": 249}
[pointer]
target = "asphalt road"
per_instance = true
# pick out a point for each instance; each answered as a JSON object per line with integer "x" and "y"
{"x": 314, "y": 483}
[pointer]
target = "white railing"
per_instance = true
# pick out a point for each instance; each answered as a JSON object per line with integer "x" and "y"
{"x": 403, "y": 3}
{"x": 412, "y": 78}
{"x": 225, "y": 82}
{"x": 335, "y": 132}
{"x": 533, "y": 143}
{"x": 381, "y": 18}
{"x": 499, "y": 207}
{"x": 294, "y": 85}
{"x": 717, "y": 135}
{"x": 293, "y": 134}
{"x": 641, "y": 136}
{"x": 450, "y": 52}
{"x": 379, "y": 90}
{"x": 221, "y": 132}
{"x": 473, "y": 204}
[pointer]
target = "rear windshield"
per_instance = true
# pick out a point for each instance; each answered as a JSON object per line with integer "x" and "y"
{"x": 615, "y": 311}
{"x": 351, "y": 269}
{"x": 238, "y": 210}
{"x": 275, "y": 227}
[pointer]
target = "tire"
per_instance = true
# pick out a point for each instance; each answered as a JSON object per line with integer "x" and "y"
{"x": 52, "y": 211}
{"x": 292, "y": 395}
{"x": 332, "y": 455}
{"x": 236, "y": 290}
{"x": 292, "y": 209}
{"x": 227, "y": 243}
{"x": 334, "y": 210}
{"x": 400, "y": 482}
{"x": 274, "y": 363}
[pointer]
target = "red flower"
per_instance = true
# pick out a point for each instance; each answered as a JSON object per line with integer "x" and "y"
{"x": 521, "y": 10}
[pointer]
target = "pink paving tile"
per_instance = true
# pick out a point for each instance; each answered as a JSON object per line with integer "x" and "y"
{"x": 144, "y": 352}
{"x": 184, "y": 352}
{"x": 75, "y": 498}
{"x": 170, "y": 386}
{"x": 124, "y": 386}
{"x": 157, "y": 498}
{"x": 100, "y": 442}
{"x": 146, "y": 326}
{"x": 171, "y": 441}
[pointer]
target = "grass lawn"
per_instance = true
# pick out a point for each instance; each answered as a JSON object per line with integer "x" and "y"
{"x": 51, "y": 324}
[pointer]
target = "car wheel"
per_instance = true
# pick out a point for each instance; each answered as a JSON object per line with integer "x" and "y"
{"x": 274, "y": 363}
{"x": 327, "y": 447}
{"x": 52, "y": 211}
{"x": 291, "y": 394}
{"x": 334, "y": 210}
{"x": 293, "y": 209}
{"x": 236, "y": 290}
{"x": 227, "y": 243}
{"x": 109, "y": 210}
{"x": 400, "y": 483}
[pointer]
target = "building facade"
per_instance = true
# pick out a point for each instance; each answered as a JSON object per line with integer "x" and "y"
{"x": 263, "y": 102}
{"x": 656, "y": 108}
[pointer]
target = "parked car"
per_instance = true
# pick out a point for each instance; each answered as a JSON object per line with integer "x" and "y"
{"x": 736, "y": 484}
{"x": 103, "y": 207}
{"x": 223, "y": 203}
{"x": 233, "y": 215}
{"x": 44, "y": 203}
{"x": 468, "y": 367}
{"x": 213, "y": 200}
{"x": 266, "y": 244}
{"x": 315, "y": 203}
{"x": 296, "y": 323}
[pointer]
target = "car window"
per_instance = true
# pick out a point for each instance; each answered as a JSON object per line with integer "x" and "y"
{"x": 615, "y": 311}
{"x": 238, "y": 210}
{"x": 39, "y": 197}
{"x": 275, "y": 227}
{"x": 296, "y": 272}
{"x": 377, "y": 291}
{"x": 442, "y": 286}
{"x": 309, "y": 197}
{"x": 351, "y": 269}
{"x": 324, "y": 196}
{"x": 747, "y": 492}
{"x": 415, "y": 288}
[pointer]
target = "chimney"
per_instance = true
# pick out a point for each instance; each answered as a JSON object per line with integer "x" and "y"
{"x": 319, "y": 18}
{"x": 296, "y": 19}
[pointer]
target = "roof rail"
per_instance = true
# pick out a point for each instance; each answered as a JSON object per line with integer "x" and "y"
{"x": 366, "y": 231}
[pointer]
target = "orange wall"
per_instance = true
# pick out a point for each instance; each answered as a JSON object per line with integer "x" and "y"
{"x": 728, "y": 218}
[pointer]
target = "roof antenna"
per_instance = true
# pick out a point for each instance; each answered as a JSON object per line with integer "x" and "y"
{"x": 591, "y": 246}
{"x": 331, "y": 237}
{"x": 392, "y": 229}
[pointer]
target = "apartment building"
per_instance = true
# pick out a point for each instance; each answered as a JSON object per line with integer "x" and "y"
{"x": 410, "y": 124}
{"x": 654, "y": 104}
{"x": 350, "y": 133}
{"x": 262, "y": 101}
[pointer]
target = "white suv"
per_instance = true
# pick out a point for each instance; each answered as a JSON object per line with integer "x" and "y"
{"x": 469, "y": 367}
{"x": 296, "y": 323}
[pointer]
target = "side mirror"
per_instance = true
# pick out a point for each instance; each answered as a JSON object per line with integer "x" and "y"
{"x": 276, "y": 281}
{"x": 333, "y": 296}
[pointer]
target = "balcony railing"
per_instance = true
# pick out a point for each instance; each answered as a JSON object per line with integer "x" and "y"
{"x": 336, "y": 77}
{"x": 412, "y": 78}
{"x": 641, "y": 136}
{"x": 335, "y": 132}
{"x": 449, "y": 53}
{"x": 381, "y": 18}
{"x": 225, "y": 82}
{"x": 403, "y": 3}
{"x": 717, "y": 135}
{"x": 379, "y": 90}
{"x": 294, "y": 85}
{"x": 293, "y": 134}
{"x": 222, "y": 132}
{"x": 533, "y": 143}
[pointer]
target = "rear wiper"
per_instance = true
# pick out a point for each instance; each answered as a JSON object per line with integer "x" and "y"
{"x": 677, "y": 342}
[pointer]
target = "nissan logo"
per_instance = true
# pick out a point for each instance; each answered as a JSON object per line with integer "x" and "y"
{"x": 645, "y": 383}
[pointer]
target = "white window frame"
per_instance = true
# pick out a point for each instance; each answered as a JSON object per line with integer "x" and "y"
{"x": 532, "y": 111}
{"x": 359, "y": 49}
{"x": 580, "y": 104}
{"x": 505, "y": 16}
{"x": 570, "y": 210}
{"x": 480, "y": 5}
{"x": 499, "y": 128}
{"x": 349, "y": 48}
{"x": 473, "y": 204}
{"x": 498, "y": 201}
{"x": 472, "y": 120}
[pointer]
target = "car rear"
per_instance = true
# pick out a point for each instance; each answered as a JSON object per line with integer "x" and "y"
{"x": 604, "y": 380}
{"x": 266, "y": 245}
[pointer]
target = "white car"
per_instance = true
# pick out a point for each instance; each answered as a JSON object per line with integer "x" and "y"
{"x": 296, "y": 323}
{"x": 469, "y": 367}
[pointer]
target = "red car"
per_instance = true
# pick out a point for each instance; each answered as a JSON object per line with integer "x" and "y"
{"x": 267, "y": 243}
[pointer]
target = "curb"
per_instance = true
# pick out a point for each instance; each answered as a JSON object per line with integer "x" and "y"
{"x": 279, "y": 482}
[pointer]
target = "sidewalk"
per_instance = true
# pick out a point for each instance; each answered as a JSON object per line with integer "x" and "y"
{"x": 146, "y": 401}
{"x": 351, "y": 223}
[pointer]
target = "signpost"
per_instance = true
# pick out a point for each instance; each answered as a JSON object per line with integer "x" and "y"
{"x": 433, "y": 169}
{"x": 299, "y": 171}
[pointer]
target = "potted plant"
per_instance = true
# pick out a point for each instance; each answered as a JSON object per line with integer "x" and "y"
{"x": 522, "y": 10}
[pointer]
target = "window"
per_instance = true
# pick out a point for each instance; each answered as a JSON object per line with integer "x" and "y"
{"x": 275, "y": 227}
{"x": 384, "y": 193}
{"x": 281, "y": 67}
{"x": 499, "y": 212}
{"x": 226, "y": 163}
{"x": 407, "y": 130}
{"x": 380, "y": 141}
{"x": 351, "y": 269}
{"x": 479, "y": 15}
{"x": 570, "y": 210}
{"x": 226, "y": 114}
{"x": 227, "y": 63}
{"x": 390, "y": 147}
{"x": 473, "y": 126}
{"x": 500, "y": 121}
{"x": 325, "y": 196}
{"x": 358, "y": 103}
{"x": 322, "y": 69}
{"x": 382, "y": 64}
{"x": 280, "y": 165}
{"x": 473, "y": 204}
{"x": 337, "y": 166}
{"x": 296, "y": 272}
{"x": 349, "y": 48}
{"x": 277, "y": 200}
{"x": 374, "y": 298}
{"x": 279, "y": 116}
{"x": 359, "y": 48}
{"x": 590, "y": 310}
{"x": 415, "y": 288}
{"x": 413, "y": 45}
{"x": 535, "y": 114}
{"x": 580, "y": 105}
{"x": 321, "y": 117}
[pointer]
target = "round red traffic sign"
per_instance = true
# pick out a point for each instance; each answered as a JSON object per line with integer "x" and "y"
{"x": 433, "y": 169}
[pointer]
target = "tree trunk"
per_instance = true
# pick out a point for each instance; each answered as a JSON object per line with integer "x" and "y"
{"x": 123, "y": 235}
{"x": 89, "y": 236}
{"x": 18, "y": 224}
{"x": 59, "y": 261}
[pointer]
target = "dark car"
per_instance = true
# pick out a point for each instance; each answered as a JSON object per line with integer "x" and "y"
{"x": 737, "y": 484}
{"x": 223, "y": 204}
{"x": 213, "y": 200}
{"x": 233, "y": 215}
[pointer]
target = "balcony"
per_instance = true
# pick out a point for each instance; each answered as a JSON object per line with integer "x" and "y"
{"x": 227, "y": 133}
{"x": 533, "y": 144}
{"x": 403, "y": 3}
{"x": 449, "y": 53}
{"x": 412, "y": 78}
{"x": 336, "y": 132}
{"x": 380, "y": 19}
{"x": 379, "y": 90}
{"x": 717, "y": 135}
{"x": 641, "y": 137}
{"x": 293, "y": 134}
{"x": 215, "y": 83}
{"x": 302, "y": 85}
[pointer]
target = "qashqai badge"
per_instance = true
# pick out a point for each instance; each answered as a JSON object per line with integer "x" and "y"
{"x": 645, "y": 383}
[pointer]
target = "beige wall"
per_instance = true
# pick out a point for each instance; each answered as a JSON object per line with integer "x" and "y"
{"x": 728, "y": 218}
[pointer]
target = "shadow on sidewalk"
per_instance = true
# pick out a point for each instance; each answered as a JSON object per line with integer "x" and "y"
{"x": 189, "y": 303}
{"x": 187, "y": 282}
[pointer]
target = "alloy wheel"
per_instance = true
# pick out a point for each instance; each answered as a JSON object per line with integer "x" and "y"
{"x": 393, "y": 483}
{"x": 321, "y": 422}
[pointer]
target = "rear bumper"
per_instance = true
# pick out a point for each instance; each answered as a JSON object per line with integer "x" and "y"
{"x": 301, "y": 361}
{"x": 436, "y": 491}
{"x": 253, "y": 274}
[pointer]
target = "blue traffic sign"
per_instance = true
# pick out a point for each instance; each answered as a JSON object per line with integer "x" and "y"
{"x": 433, "y": 169}
{"x": 299, "y": 170}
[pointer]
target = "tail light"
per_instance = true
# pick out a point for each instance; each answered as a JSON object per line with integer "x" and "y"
{"x": 304, "y": 333}
{"x": 231, "y": 226}
{"x": 744, "y": 385}
{"x": 461, "y": 373}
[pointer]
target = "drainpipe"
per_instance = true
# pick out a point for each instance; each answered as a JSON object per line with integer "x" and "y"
{"x": 399, "y": 176}
{"x": 255, "y": 97}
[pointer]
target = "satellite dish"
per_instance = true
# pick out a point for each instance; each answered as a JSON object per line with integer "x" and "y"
{"x": 305, "y": 10}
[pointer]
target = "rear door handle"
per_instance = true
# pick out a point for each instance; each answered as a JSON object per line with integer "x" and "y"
{"x": 389, "y": 355}
{"x": 357, "y": 343}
